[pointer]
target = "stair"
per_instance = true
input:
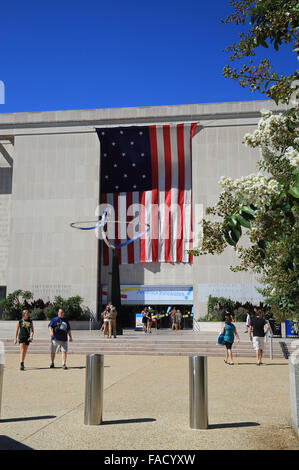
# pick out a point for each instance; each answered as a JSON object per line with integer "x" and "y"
{"x": 151, "y": 346}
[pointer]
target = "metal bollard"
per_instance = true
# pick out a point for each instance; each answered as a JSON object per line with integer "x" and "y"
{"x": 1, "y": 371}
{"x": 198, "y": 395}
{"x": 94, "y": 389}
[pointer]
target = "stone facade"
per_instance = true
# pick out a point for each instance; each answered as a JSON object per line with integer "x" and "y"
{"x": 53, "y": 159}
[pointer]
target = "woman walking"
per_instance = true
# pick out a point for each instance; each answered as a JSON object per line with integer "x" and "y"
{"x": 173, "y": 318}
{"x": 106, "y": 317}
{"x": 144, "y": 320}
{"x": 24, "y": 334}
{"x": 229, "y": 331}
{"x": 149, "y": 320}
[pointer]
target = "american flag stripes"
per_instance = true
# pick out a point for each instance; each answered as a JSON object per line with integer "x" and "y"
{"x": 146, "y": 177}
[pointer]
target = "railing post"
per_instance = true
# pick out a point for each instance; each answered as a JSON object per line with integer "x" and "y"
{"x": 270, "y": 336}
{"x": 271, "y": 347}
{"x": 198, "y": 392}
{"x": 94, "y": 389}
{"x": 1, "y": 371}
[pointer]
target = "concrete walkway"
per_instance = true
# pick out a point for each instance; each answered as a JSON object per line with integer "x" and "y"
{"x": 146, "y": 405}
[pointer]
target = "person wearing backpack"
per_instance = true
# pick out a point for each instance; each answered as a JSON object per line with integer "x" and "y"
{"x": 229, "y": 331}
{"x": 60, "y": 332}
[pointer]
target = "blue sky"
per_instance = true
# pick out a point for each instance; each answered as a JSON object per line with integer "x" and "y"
{"x": 95, "y": 54}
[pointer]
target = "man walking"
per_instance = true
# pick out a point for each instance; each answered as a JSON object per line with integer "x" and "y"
{"x": 60, "y": 332}
{"x": 257, "y": 332}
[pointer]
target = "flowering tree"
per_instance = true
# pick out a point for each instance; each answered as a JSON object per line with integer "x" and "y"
{"x": 263, "y": 206}
{"x": 265, "y": 23}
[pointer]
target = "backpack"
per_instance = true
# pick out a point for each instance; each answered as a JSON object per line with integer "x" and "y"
{"x": 60, "y": 331}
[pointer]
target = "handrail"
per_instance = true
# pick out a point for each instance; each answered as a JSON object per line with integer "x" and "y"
{"x": 270, "y": 335}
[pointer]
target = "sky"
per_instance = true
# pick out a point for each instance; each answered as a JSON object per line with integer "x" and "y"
{"x": 87, "y": 54}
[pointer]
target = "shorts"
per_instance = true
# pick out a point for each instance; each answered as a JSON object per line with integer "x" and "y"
{"x": 24, "y": 341}
{"x": 258, "y": 342}
{"x": 57, "y": 346}
{"x": 227, "y": 344}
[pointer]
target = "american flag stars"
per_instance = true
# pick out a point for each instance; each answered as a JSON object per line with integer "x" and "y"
{"x": 126, "y": 165}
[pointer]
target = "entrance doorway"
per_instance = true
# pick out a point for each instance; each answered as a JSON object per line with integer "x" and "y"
{"x": 127, "y": 315}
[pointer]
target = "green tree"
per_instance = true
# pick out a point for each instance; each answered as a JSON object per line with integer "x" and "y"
{"x": 264, "y": 205}
{"x": 265, "y": 23}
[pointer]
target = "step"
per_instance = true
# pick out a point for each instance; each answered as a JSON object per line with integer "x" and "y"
{"x": 151, "y": 345}
{"x": 168, "y": 351}
{"x": 143, "y": 342}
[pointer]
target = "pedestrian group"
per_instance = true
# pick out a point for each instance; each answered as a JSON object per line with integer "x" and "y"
{"x": 257, "y": 327}
{"x": 60, "y": 332}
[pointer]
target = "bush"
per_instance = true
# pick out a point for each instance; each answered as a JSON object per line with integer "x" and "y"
{"x": 14, "y": 303}
{"x": 240, "y": 314}
{"x": 12, "y": 307}
{"x": 71, "y": 306}
{"x": 217, "y": 306}
{"x": 50, "y": 312}
{"x": 37, "y": 314}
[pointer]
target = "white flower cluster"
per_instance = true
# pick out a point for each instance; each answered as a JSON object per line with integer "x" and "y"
{"x": 255, "y": 189}
{"x": 272, "y": 132}
{"x": 292, "y": 155}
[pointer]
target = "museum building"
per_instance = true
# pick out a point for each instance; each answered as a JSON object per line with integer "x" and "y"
{"x": 58, "y": 168}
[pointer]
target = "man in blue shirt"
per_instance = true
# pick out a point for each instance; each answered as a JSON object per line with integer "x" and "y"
{"x": 60, "y": 332}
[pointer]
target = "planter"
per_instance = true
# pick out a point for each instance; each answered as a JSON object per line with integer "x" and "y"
{"x": 215, "y": 326}
{"x": 8, "y": 327}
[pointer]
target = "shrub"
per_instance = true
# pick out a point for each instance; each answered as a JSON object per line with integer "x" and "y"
{"x": 37, "y": 314}
{"x": 217, "y": 306}
{"x": 12, "y": 306}
{"x": 240, "y": 314}
{"x": 14, "y": 303}
{"x": 71, "y": 306}
{"x": 50, "y": 312}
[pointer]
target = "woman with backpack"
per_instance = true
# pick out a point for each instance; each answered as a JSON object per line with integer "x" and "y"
{"x": 229, "y": 331}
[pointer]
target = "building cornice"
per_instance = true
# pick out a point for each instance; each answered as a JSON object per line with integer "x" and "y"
{"x": 147, "y": 114}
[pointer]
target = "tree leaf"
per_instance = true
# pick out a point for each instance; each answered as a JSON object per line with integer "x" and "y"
{"x": 235, "y": 234}
{"x": 248, "y": 211}
{"x": 294, "y": 192}
{"x": 243, "y": 221}
{"x": 228, "y": 238}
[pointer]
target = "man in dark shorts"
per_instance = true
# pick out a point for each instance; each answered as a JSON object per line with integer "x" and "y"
{"x": 257, "y": 330}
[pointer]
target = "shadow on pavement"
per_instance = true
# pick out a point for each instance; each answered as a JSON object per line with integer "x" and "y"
{"x": 232, "y": 425}
{"x": 55, "y": 368}
{"x": 29, "y": 418}
{"x": 129, "y": 421}
{"x": 263, "y": 364}
{"x": 6, "y": 443}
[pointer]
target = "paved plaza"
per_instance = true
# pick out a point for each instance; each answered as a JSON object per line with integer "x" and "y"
{"x": 146, "y": 405}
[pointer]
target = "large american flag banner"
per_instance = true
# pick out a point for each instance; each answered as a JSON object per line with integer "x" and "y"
{"x": 146, "y": 179}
